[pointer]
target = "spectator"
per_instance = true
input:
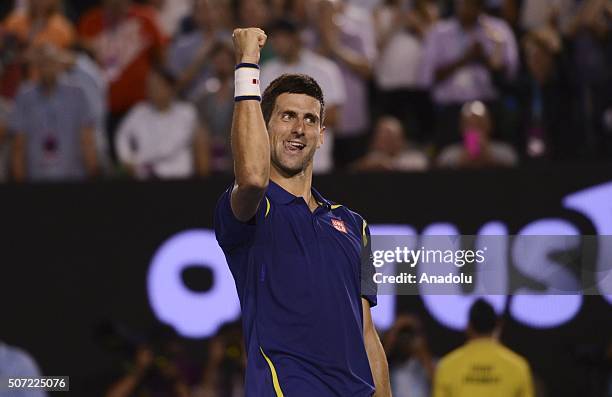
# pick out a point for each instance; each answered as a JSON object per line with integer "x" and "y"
{"x": 15, "y": 362}
{"x": 477, "y": 150}
{"x": 411, "y": 364}
{"x": 53, "y": 126}
{"x": 126, "y": 41}
{"x": 390, "y": 151}
{"x": 400, "y": 32}
{"x": 483, "y": 367}
{"x": 190, "y": 54}
{"x": 41, "y": 23}
{"x": 162, "y": 137}
{"x": 293, "y": 58}
{"x": 346, "y": 35}
{"x": 215, "y": 105}
{"x": 463, "y": 58}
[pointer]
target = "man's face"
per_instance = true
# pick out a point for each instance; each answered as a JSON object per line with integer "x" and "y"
{"x": 295, "y": 132}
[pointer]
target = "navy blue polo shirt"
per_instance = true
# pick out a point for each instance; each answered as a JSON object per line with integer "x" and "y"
{"x": 299, "y": 279}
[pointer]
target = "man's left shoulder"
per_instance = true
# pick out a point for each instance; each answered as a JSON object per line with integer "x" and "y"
{"x": 356, "y": 221}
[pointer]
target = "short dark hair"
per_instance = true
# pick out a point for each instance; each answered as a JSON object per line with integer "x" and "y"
{"x": 483, "y": 318}
{"x": 291, "y": 84}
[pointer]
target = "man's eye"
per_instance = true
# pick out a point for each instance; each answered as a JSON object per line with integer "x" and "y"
{"x": 310, "y": 120}
{"x": 286, "y": 117}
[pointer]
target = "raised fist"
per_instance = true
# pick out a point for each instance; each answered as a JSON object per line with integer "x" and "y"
{"x": 248, "y": 43}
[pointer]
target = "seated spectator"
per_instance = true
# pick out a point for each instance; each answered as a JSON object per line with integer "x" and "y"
{"x": 215, "y": 105}
{"x": 15, "y": 362}
{"x": 463, "y": 59}
{"x": 477, "y": 149}
{"x": 190, "y": 54}
{"x": 411, "y": 364}
{"x": 53, "y": 125}
{"x": 294, "y": 58}
{"x": 483, "y": 366}
{"x": 126, "y": 41}
{"x": 399, "y": 34}
{"x": 41, "y": 23}
{"x": 161, "y": 138}
{"x": 390, "y": 151}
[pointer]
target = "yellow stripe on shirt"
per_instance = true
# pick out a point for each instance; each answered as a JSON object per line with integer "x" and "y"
{"x": 277, "y": 388}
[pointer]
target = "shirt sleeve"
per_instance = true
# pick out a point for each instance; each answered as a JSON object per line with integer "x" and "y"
{"x": 368, "y": 287}
{"x": 230, "y": 232}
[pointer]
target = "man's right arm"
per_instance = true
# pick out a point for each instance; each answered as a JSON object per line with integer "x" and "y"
{"x": 250, "y": 141}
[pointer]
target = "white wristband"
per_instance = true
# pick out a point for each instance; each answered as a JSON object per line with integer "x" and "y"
{"x": 246, "y": 82}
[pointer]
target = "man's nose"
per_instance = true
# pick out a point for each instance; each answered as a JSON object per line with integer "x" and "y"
{"x": 298, "y": 126}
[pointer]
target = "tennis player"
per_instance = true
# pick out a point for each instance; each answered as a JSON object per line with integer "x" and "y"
{"x": 297, "y": 258}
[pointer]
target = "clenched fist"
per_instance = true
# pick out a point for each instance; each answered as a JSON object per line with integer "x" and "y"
{"x": 248, "y": 43}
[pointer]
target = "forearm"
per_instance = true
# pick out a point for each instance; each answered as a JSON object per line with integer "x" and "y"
{"x": 378, "y": 364}
{"x": 250, "y": 145}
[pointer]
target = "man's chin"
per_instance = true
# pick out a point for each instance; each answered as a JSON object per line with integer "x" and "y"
{"x": 289, "y": 169}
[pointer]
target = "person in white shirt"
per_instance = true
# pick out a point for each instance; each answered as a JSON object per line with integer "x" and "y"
{"x": 293, "y": 58}
{"x": 161, "y": 137}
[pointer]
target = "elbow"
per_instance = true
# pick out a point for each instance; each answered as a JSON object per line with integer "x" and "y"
{"x": 254, "y": 184}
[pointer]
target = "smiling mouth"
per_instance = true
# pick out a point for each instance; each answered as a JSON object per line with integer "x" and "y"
{"x": 294, "y": 146}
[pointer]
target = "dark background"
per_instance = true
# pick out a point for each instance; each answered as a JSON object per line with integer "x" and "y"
{"x": 74, "y": 255}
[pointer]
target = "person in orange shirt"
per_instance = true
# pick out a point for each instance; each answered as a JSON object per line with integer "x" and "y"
{"x": 41, "y": 23}
{"x": 126, "y": 41}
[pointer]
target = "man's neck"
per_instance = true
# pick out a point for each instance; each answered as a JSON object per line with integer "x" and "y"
{"x": 299, "y": 185}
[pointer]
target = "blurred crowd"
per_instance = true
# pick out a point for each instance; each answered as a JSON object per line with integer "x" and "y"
{"x": 144, "y": 89}
{"x": 160, "y": 363}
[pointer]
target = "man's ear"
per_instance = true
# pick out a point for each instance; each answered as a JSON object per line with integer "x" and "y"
{"x": 321, "y": 136}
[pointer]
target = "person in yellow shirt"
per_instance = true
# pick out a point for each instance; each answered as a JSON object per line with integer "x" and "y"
{"x": 483, "y": 367}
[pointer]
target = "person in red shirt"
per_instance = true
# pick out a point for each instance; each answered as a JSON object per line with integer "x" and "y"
{"x": 126, "y": 41}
